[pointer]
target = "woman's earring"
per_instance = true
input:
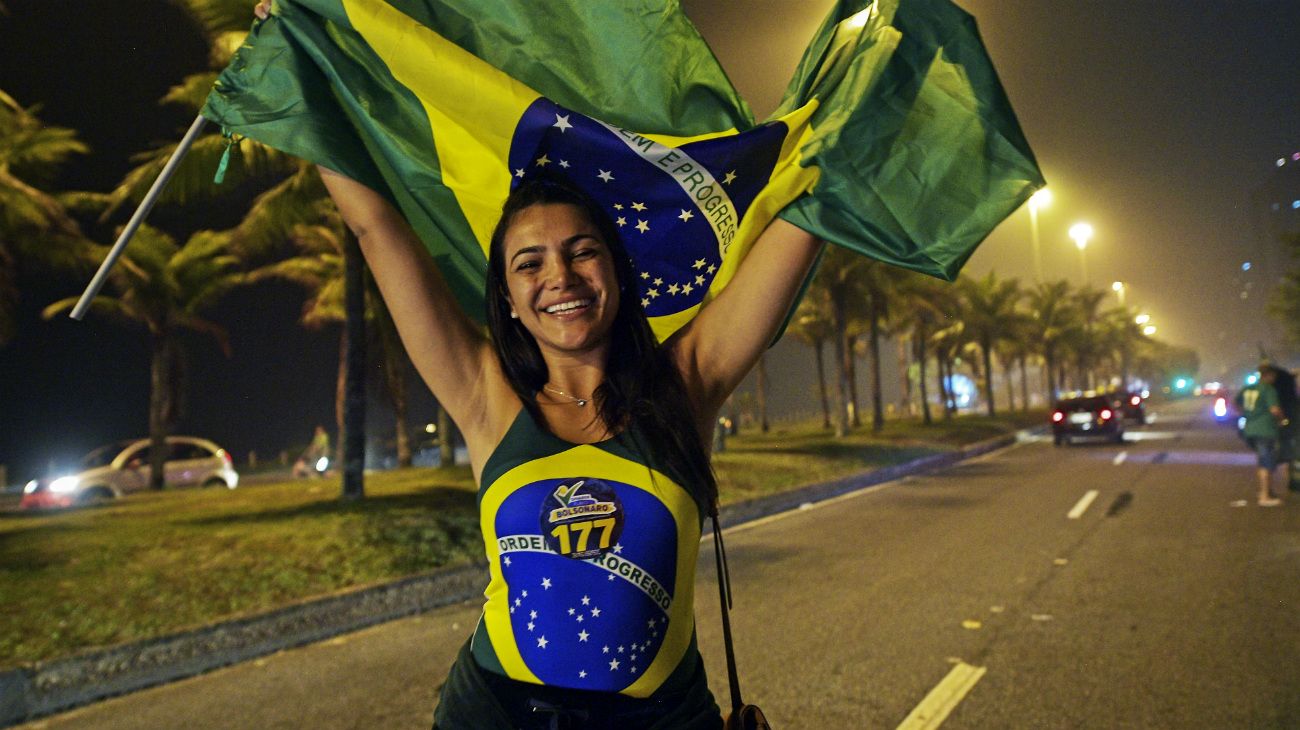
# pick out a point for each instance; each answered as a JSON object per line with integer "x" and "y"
{"x": 514, "y": 314}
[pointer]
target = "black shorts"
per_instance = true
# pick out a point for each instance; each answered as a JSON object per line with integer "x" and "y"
{"x": 475, "y": 699}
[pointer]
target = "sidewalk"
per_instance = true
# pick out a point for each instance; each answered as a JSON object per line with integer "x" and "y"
{"x": 61, "y": 684}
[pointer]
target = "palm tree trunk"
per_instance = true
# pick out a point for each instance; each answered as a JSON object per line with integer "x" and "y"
{"x": 842, "y": 357}
{"x": 354, "y": 401}
{"x": 851, "y": 348}
{"x": 987, "y": 351}
{"x": 944, "y": 368}
{"x": 821, "y": 384}
{"x": 1024, "y": 382}
{"x": 446, "y": 439}
{"x": 1009, "y": 380}
{"x": 919, "y": 341}
{"x": 873, "y": 350}
{"x": 763, "y": 425}
{"x": 160, "y": 396}
{"x": 905, "y": 377}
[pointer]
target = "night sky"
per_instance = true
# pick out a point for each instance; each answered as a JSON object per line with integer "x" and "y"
{"x": 1153, "y": 120}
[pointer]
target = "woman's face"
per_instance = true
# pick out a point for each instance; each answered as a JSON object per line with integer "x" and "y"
{"x": 560, "y": 278}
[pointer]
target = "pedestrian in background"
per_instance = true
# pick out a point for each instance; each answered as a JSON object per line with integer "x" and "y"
{"x": 1258, "y": 403}
{"x": 309, "y": 463}
{"x": 1284, "y": 383}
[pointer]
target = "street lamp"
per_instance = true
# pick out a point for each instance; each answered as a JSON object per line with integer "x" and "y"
{"x": 1142, "y": 318}
{"x": 1040, "y": 199}
{"x": 1149, "y": 330}
{"x": 1081, "y": 232}
{"x": 1118, "y": 288}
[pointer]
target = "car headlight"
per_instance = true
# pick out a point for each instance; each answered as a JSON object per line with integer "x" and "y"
{"x": 63, "y": 485}
{"x": 322, "y": 464}
{"x": 31, "y": 486}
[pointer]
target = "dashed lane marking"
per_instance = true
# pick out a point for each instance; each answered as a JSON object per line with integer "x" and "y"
{"x": 1082, "y": 505}
{"x": 944, "y": 698}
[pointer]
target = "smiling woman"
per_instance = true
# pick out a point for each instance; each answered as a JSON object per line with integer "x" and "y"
{"x": 622, "y": 487}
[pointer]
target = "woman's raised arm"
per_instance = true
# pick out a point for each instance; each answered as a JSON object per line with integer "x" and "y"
{"x": 718, "y": 348}
{"x": 450, "y": 352}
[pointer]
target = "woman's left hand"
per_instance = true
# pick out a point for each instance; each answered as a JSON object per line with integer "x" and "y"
{"x": 263, "y": 9}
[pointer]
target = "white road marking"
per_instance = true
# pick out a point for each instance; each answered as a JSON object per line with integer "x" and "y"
{"x": 1082, "y": 505}
{"x": 1120, "y": 457}
{"x": 945, "y": 696}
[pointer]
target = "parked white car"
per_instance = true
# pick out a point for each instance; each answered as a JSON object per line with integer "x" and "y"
{"x": 117, "y": 469}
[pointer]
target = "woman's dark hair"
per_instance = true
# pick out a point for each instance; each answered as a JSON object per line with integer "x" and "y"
{"x": 642, "y": 393}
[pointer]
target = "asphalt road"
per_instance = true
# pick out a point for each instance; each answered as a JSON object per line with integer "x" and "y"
{"x": 1167, "y": 601}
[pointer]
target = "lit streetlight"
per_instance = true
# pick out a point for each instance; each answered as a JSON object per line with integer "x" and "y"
{"x": 1081, "y": 233}
{"x": 1118, "y": 287}
{"x": 1040, "y": 199}
{"x": 1149, "y": 330}
{"x": 1142, "y": 318}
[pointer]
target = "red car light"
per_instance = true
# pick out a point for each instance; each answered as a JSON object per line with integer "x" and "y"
{"x": 1105, "y": 414}
{"x": 1058, "y": 417}
{"x": 226, "y": 456}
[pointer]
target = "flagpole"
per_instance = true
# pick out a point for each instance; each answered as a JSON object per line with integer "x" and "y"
{"x": 146, "y": 205}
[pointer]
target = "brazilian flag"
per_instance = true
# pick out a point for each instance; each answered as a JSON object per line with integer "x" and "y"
{"x": 894, "y": 139}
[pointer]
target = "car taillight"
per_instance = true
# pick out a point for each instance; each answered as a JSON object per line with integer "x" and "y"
{"x": 1058, "y": 417}
{"x": 1135, "y": 400}
{"x": 1105, "y": 414}
{"x": 225, "y": 455}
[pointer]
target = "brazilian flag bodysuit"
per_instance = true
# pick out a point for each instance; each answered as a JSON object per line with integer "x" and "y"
{"x": 591, "y": 552}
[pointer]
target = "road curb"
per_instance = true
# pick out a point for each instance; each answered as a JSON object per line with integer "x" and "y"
{"x": 45, "y": 688}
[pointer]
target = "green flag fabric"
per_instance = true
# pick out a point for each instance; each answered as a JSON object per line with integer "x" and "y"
{"x": 894, "y": 139}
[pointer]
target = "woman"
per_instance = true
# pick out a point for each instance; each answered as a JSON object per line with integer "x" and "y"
{"x": 571, "y": 411}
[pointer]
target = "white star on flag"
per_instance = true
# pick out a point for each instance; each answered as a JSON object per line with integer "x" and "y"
{"x": 542, "y": 642}
{"x": 543, "y": 161}
{"x": 642, "y": 226}
{"x": 546, "y": 583}
{"x": 613, "y": 664}
{"x": 638, "y": 206}
{"x": 645, "y": 302}
{"x": 605, "y": 650}
{"x": 605, "y": 175}
{"x": 618, "y": 206}
{"x": 700, "y": 280}
{"x": 531, "y": 625}
{"x": 580, "y": 617}
{"x": 595, "y": 613}
{"x": 582, "y": 674}
{"x": 699, "y": 264}
{"x": 711, "y": 268}
{"x": 562, "y": 121}
{"x": 650, "y": 624}
{"x": 645, "y": 275}
{"x": 673, "y": 288}
{"x": 518, "y": 602}
{"x": 729, "y": 177}
{"x": 621, "y": 221}
{"x": 519, "y": 172}
{"x": 652, "y": 294}
{"x": 570, "y": 611}
{"x": 582, "y": 635}
{"x": 620, "y": 650}
{"x": 686, "y": 289}
{"x": 618, "y": 546}
{"x": 686, "y": 215}
{"x": 586, "y": 600}
{"x": 507, "y": 561}
{"x": 564, "y": 164}
{"x": 532, "y": 614}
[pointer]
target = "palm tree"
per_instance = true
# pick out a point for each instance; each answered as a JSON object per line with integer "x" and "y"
{"x": 837, "y": 280}
{"x": 1084, "y": 339}
{"x": 990, "y": 304}
{"x": 811, "y": 324}
{"x": 164, "y": 288}
{"x": 35, "y": 226}
{"x": 266, "y": 229}
{"x": 923, "y": 312}
{"x": 1051, "y": 319}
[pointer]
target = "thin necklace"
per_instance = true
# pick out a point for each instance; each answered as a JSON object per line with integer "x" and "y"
{"x": 582, "y": 402}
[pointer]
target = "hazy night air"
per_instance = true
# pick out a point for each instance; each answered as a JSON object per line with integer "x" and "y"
{"x": 1158, "y": 122}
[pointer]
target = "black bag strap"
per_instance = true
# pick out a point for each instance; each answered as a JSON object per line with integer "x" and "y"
{"x": 724, "y": 594}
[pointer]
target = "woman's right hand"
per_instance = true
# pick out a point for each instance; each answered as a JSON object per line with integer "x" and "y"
{"x": 263, "y": 9}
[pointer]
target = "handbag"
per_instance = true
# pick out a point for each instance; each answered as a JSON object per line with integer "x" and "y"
{"x": 742, "y": 716}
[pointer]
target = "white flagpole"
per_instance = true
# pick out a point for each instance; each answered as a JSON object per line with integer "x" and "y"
{"x": 146, "y": 205}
